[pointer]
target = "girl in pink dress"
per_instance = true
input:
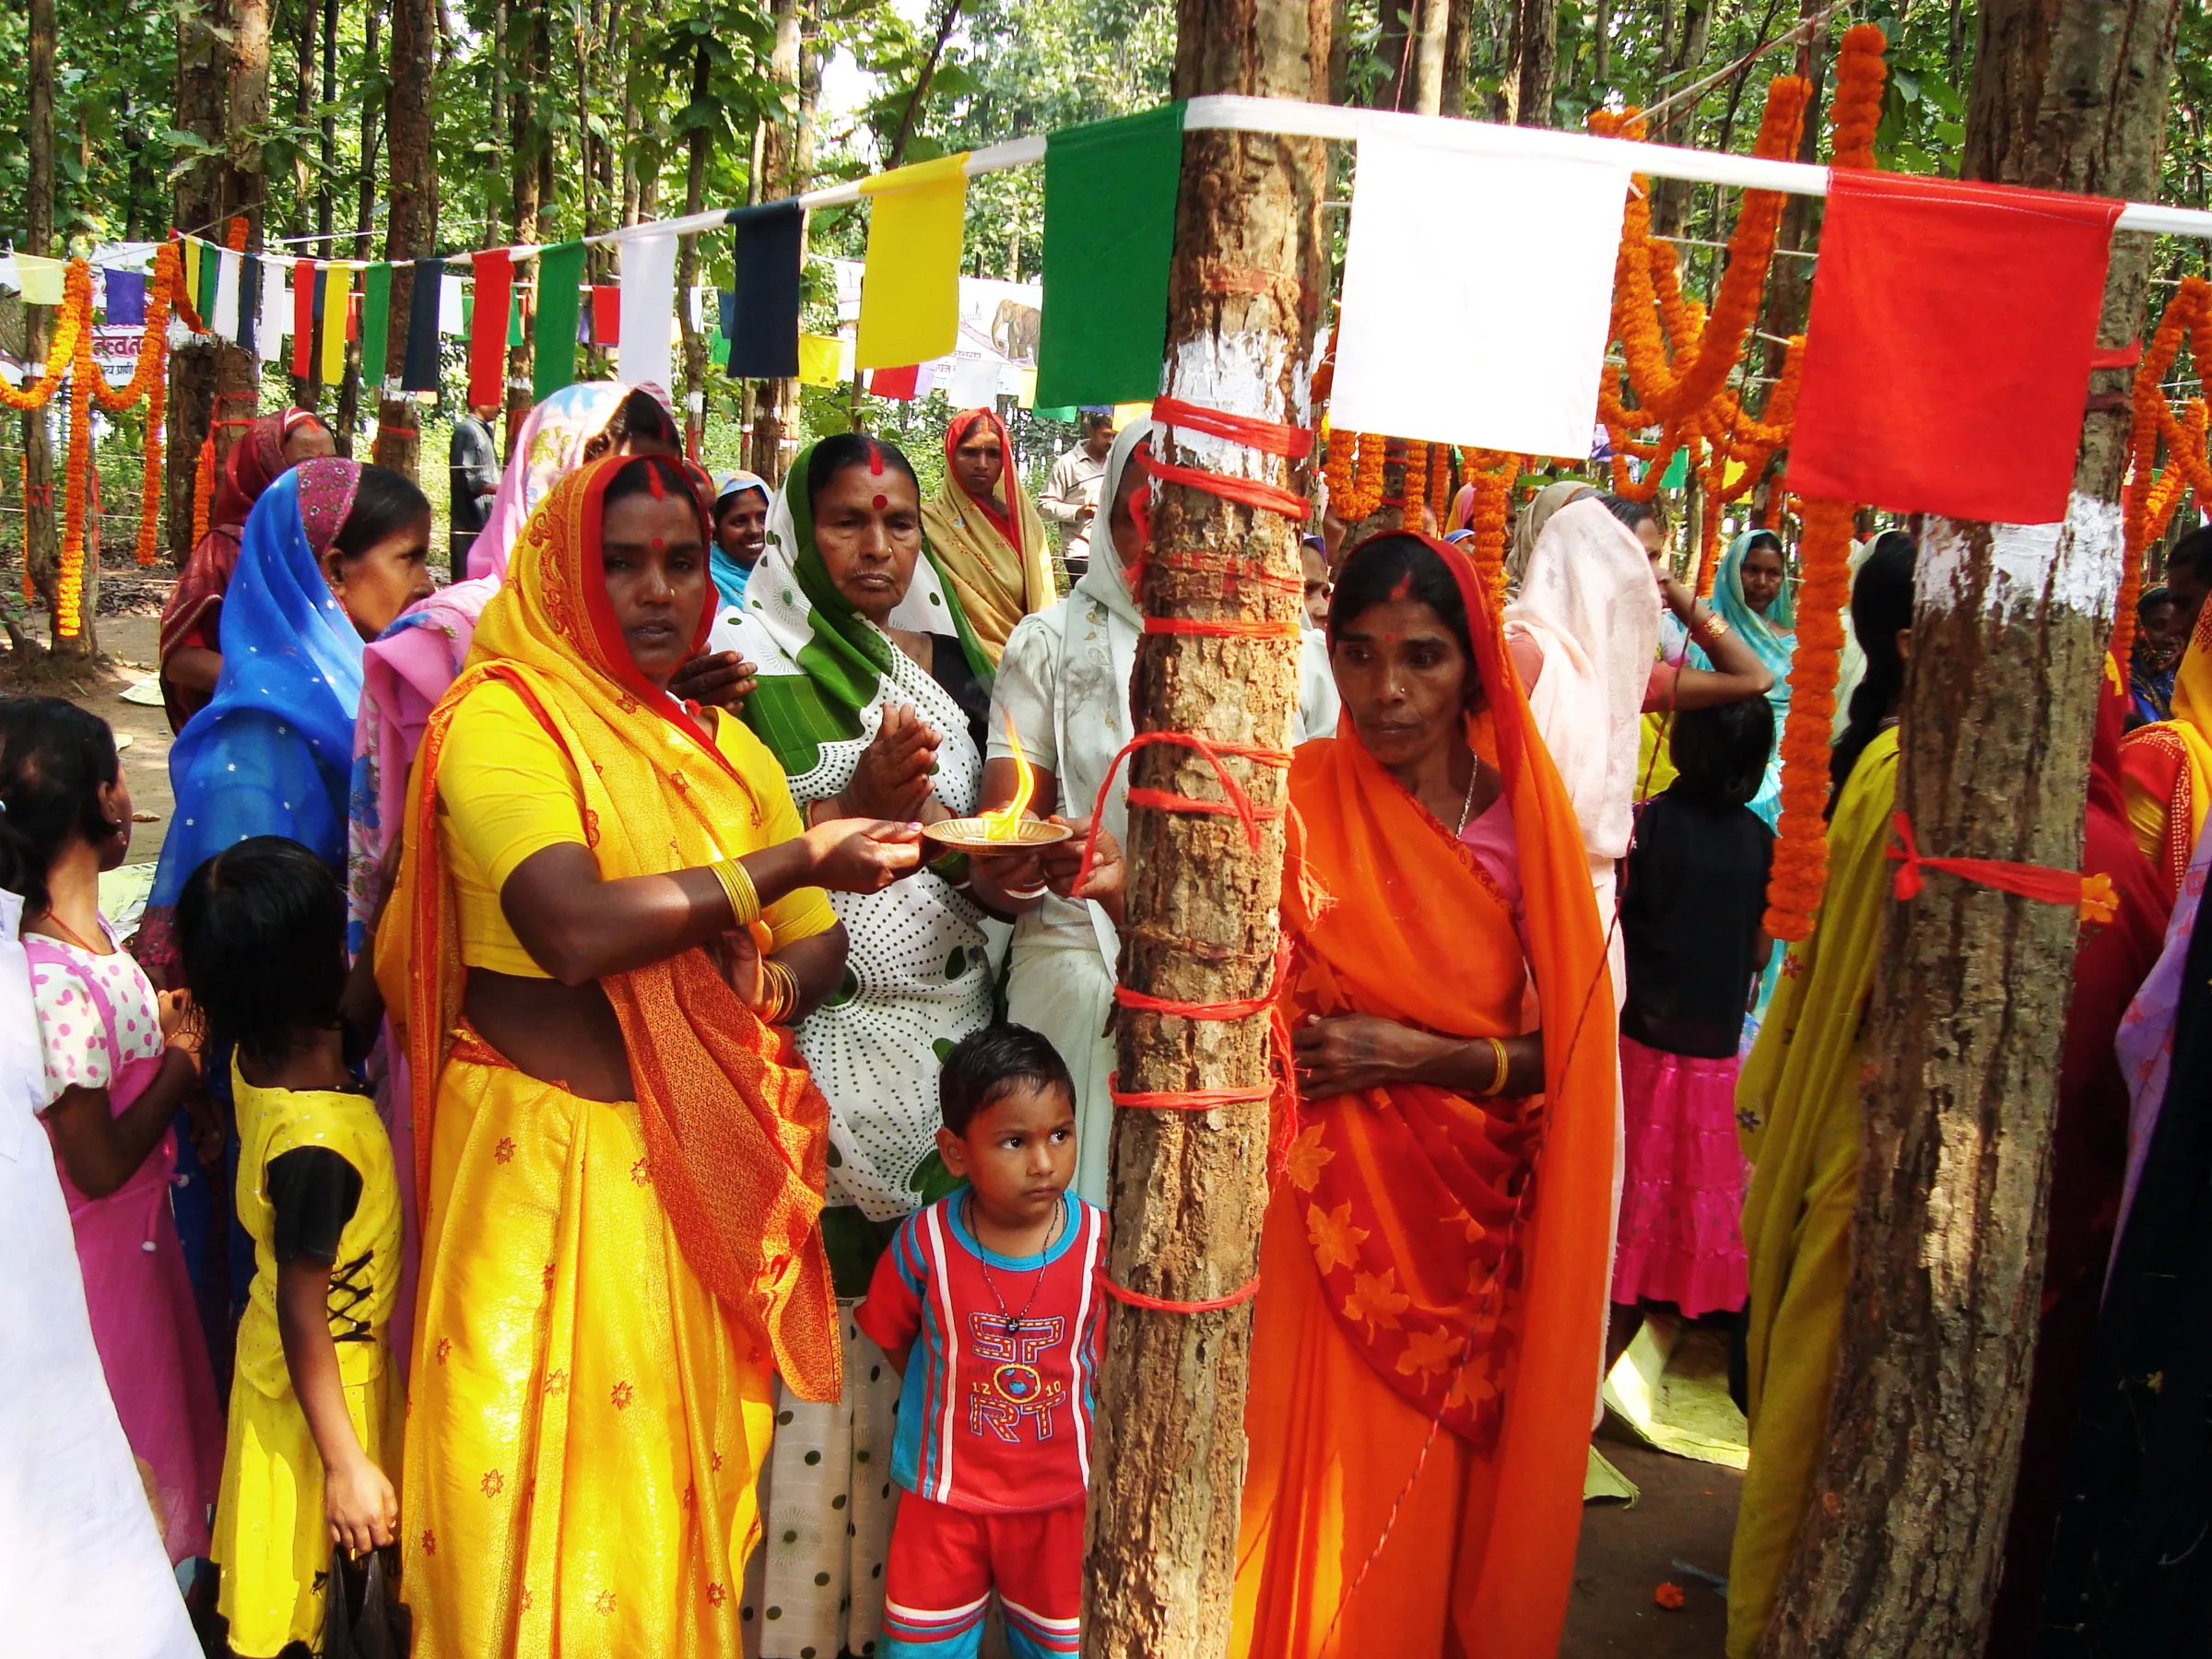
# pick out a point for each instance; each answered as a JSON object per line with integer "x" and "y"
{"x": 119, "y": 1061}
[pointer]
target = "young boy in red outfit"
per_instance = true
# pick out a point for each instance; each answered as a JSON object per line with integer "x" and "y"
{"x": 998, "y": 1290}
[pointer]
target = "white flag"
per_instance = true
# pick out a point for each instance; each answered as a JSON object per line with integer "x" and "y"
{"x": 1477, "y": 289}
{"x": 275, "y": 311}
{"x": 224, "y": 321}
{"x": 642, "y": 357}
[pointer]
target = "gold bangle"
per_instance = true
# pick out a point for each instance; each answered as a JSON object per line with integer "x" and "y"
{"x": 784, "y": 992}
{"x": 738, "y": 887}
{"x": 1498, "y": 1080}
{"x": 1714, "y": 627}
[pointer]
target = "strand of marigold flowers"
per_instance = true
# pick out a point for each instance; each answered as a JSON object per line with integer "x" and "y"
{"x": 1439, "y": 483}
{"x": 1413, "y": 483}
{"x": 1492, "y": 472}
{"x": 2152, "y": 496}
{"x": 1856, "y": 113}
{"x": 73, "y": 318}
{"x": 149, "y": 380}
{"x": 69, "y": 588}
{"x": 1800, "y": 870}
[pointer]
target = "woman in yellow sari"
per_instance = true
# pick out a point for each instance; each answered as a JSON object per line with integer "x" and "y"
{"x": 607, "y": 918}
{"x": 1798, "y": 1105}
{"x": 1425, "y": 1341}
{"x": 2165, "y": 768}
{"x": 985, "y": 532}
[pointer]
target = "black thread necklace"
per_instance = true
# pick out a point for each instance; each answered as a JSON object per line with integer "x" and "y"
{"x": 1012, "y": 1323}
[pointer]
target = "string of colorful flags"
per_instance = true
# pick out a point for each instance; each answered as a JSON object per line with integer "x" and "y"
{"x": 1441, "y": 343}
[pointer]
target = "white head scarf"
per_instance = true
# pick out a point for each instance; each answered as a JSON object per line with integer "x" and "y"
{"x": 1106, "y": 580}
{"x": 1589, "y": 599}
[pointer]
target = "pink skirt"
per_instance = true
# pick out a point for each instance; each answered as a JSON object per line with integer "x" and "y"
{"x": 1682, "y": 1200}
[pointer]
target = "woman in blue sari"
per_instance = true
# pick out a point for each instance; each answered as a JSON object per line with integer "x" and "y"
{"x": 1751, "y": 595}
{"x": 333, "y": 552}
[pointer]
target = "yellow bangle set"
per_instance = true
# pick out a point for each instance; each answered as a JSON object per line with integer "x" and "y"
{"x": 782, "y": 987}
{"x": 1498, "y": 1078}
{"x": 744, "y": 899}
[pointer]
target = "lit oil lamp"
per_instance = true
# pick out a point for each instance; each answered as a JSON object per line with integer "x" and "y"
{"x": 1006, "y": 829}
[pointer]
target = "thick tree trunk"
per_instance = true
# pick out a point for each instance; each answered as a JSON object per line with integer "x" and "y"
{"x": 702, "y": 144}
{"x": 1790, "y": 287}
{"x": 1430, "y": 51}
{"x": 775, "y": 408}
{"x": 410, "y": 221}
{"x": 201, "y": 54}
{"x": 1525, "y": 91}
{"x": 1459, "y": 36}
{"x": 525, "y": 146}
{"x": 326, "y": 207}
{"x": 307, "y": 389}
{"x": 1190, "y": 1188}
{"x": 1901, "y": 1551}
{"x": 1670, "y": 198}
{"x": 349, "y": 391}
{"x": 42, "y": 502}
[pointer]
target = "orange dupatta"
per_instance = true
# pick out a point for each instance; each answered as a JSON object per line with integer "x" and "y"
{"x": 735, "y": 1129}
{"x": 1463, "y": 1243}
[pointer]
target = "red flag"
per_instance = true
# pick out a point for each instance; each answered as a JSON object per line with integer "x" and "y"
{"x": 487, "y": 329}
{"x": 606, "y": 314}
{"x": 895, "y": 383}
{"x": 303, "y": 317}
{"x": 1947, "y": 358}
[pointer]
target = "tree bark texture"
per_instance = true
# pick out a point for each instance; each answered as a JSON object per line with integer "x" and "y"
{"x": 1431, "y": 44}
{"x": 349, "y": 391}
{"x": 1246, "y": 286}
{"x": 1671, "y": 197}
{"x": 1790, "y": 288}
{"x": 202, "y": 53}
{"x": 410, "y": 221}
{"x": 525, "y": 25}
{"x": 1533, "y": 68}
{"x": 1902, "y": 1550}
{"x": 775, "y": 412}
{"x": 244, "y": 195}
{"x": 1459, "y": 35}
{"x": 702, "y": 144}
{"x": 41, "y": 509}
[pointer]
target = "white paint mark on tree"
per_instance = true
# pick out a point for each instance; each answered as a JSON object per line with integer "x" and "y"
{"x": 1240, "y": 374}
{"x": 2072, "y": 565}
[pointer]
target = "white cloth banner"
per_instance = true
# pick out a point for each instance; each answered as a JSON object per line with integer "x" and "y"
{"x": 1477, "y": 292}
{"x": 973, "y": 382}
{"x": 642, "y": 357}
{"x": 275, "y": 311}
{"x": 450, "y": 312}
{"x": 224, "y": 320}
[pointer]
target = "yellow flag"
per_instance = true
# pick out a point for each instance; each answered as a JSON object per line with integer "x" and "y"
{"x": 910, "y": 291}
{"x": 1125, "y": 413}
{"x": 819, "y": 356}
{"x": 338, "y": 285}
{"x": 42, "y": 280}
{"x": 1027, "y": 398}
{"x": 190, "y": 251}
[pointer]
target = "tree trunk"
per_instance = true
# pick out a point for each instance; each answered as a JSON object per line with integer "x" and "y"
{"x": 525, "y": 145}
{"x": 633, "y": 117}
{"x": 349, "y": 391}
{"x": 1459, "y": 37}
{"x": 946, "y": 18}
{"x": 1525, "y": 91}
{"x": 1430, "y": 50}
{"x": 1790, "y": 286}
{"x": 202, "y": 53}
{"x": 326, "y": 187}
{"x": 307, "y": 389}
{"x": 500, "y": 17}
{"x": 1340, "y": 52}
{"x": 1393, "y": 54}
{"x": 775, "y": 411}
{"x": 410, "y": 220}
{"x": 701, "y": 142}
{"x": 1190, "y": 1187}
{"x": 42, "y": 510}
{"x": 1670, "y": 198}
{"x": 1601, "y": 49}
{"x": 1901, "y": 1551}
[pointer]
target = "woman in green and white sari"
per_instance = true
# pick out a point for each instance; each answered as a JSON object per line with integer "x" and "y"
{"x": 873, "y": 694}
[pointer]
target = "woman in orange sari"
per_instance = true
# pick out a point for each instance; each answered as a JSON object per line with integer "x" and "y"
{"x": 2165, "y": 768}
{"x": 1425, "y": 1343}
{"x": 609, "y": 917}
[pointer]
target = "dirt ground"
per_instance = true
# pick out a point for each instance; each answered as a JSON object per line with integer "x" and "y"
{"x": 1687, "y": 1513}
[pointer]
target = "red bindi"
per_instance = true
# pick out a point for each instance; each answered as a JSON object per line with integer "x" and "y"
{"x": 660, "y": 544}
{"x": 881, "y": 503}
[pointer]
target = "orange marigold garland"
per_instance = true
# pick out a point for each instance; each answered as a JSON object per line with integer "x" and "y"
{"x": 1800, "y": 870}
{"x": 1492, "y": 472}
{"x": 1439, "y": 484}
{"x": 2152, "y": 494}
{"x": 1857, "y": 111}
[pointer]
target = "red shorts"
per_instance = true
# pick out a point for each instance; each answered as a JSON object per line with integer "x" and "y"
{"x": 946, "y": 1562}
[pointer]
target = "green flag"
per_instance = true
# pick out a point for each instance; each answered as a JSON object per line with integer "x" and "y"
{"x": 514, "y": 317}
{"x": 560, "y": 273}
{"x": 1108, "y": 230}
{"x": 376, "y": 326}
{"x": 1678, "y": 471}
{"x": 211, "y": 263}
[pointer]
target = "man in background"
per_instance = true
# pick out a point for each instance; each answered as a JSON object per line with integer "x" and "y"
{"x": 474, "y": 464}
{"x": 1071, "y": 497}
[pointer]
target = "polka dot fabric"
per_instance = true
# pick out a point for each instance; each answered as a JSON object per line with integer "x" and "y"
{"x": 73, "y": 1037}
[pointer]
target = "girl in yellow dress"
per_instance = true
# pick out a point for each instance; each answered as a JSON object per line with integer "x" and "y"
{"x": 607, "y": 920}
{"x": 314, "y": 1406}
